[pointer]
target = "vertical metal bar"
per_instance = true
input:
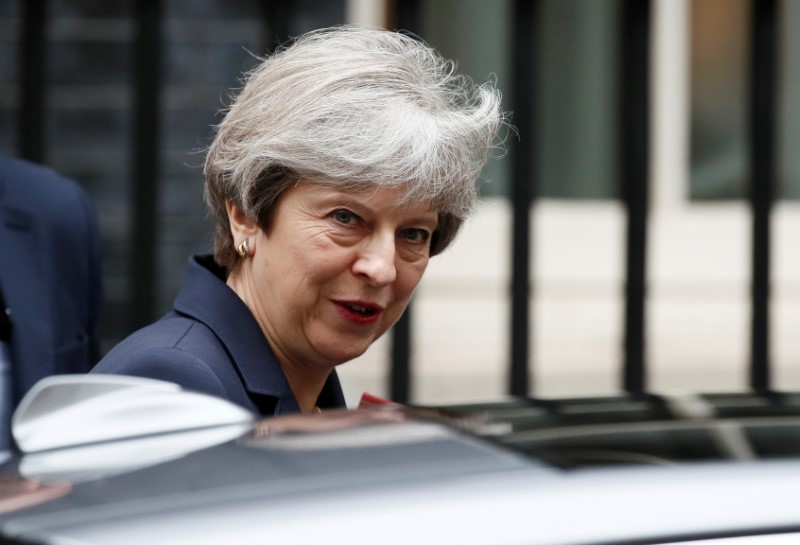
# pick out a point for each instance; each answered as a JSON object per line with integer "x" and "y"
{"x": 400, "y": 375}
{"x": 279, "y": 17}
{"x": 634, "y": 169}
{"x": 407, "y": 15}
{"x": 762, "y": 178}
{"x": 145, "y": 167}
{"x": 522, "y": 189}
{"x": 33, "y": 67}
{"x": 400, "y": 369}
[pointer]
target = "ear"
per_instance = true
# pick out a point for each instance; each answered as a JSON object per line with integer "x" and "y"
{"x": 242, "y": 227}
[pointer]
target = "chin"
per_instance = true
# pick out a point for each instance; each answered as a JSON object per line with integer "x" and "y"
{"x": 344, "y": 358}
{"x": 340, "y": 355}
{"x": 338, "y": 347}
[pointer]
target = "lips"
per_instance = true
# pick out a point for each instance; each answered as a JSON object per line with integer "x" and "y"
{"x": 360, "y": 312}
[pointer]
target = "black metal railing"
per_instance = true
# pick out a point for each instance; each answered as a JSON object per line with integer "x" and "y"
{"x": 524, "y": 29}
{"x": 145, "y": 162}
{"x": 634, "y": 111}
{"x": 634, "y": 148}
{"x": 32, "y": 82}
{"x": 763, "y": 76}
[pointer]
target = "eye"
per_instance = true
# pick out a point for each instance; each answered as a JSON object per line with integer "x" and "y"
{"x": 415, "y": 236}
{"x": 344, "y": 216}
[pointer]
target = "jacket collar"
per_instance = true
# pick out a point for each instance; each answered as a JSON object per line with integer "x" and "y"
{"x": 206, "y": 298}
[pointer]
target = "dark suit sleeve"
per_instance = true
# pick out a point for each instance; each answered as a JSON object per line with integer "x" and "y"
{"x": 74, "y": 242}
{"x": 50, "y": 272}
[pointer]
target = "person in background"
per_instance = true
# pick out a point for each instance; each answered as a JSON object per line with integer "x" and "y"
{"x": 348, "y": 159}
{"x": 50, "y": 280}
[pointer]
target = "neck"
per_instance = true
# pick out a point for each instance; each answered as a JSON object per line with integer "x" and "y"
{"x": 306, "y": 381}
{"x": 306, "y": 387}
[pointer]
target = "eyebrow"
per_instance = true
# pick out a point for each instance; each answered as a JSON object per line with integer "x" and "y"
{"x": 354, "y": 198}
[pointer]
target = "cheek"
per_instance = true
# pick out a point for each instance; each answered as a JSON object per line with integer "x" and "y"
{"x": 408, "y": 277}
{"x": 317, "y": 263}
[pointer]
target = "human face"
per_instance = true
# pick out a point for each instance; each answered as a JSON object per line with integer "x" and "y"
{"x": 335, "y": 270}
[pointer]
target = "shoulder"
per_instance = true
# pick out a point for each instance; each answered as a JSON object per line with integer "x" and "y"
{"x": 47, "y": 195}
{"x": 26, "y": 180}
{"x": 175, "y": 349}
{"x": 58, "y": 210}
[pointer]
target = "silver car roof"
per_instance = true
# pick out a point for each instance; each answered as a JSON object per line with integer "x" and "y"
{"x": 387, "y": 476}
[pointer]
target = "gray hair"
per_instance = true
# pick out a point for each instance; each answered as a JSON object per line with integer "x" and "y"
{"x": 353, "y": 108}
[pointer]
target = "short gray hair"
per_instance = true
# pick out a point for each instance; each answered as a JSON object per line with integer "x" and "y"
{"x": 353, "y": 108}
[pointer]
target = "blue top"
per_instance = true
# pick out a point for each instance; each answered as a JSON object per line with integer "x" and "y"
{"x": 211, "y": 343}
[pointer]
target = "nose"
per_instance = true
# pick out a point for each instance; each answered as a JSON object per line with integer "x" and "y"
{"x": 375, "y": 261}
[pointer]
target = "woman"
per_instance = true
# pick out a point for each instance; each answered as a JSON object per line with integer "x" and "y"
{"x": 347, "y": 160}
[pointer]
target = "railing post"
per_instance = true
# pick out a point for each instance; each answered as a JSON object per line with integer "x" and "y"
{"x": 33, "y": 80}
{"x": 522, "y": 189}
{"x": 763, "y": 63}
{"x": 400, "y": 374}
{"x": 145, "y": 157}
{"x": 634, "y": 169}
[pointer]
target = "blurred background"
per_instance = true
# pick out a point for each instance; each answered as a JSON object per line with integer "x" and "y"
{"x": 635, "y": 235}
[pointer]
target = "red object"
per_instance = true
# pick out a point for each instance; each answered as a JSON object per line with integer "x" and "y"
{"x": 369, "y": 400}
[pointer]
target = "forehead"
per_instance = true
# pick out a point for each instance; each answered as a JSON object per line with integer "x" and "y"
{"x": 395, "y": 198}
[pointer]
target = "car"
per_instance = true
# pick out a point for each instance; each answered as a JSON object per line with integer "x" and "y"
{"x": 112, "y": 460}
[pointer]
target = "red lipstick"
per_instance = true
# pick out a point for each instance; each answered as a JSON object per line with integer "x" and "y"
{"x": 359, "y": 312}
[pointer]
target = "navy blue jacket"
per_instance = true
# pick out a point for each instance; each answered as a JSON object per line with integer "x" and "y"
{"x": 49, "y": 273}
{"x": 212, "y": 343}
